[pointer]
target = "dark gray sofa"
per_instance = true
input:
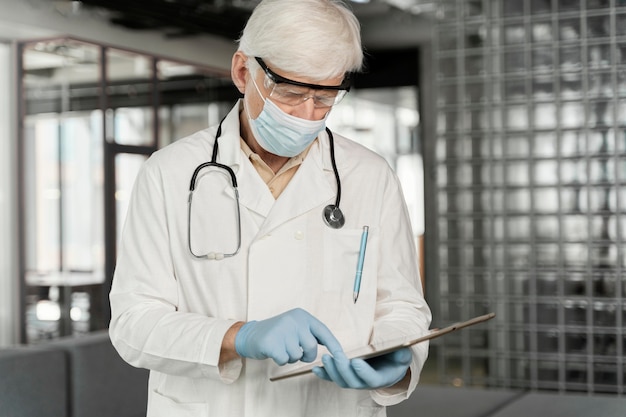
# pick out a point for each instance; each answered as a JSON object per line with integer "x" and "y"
{"x": 33, "y": 383}
{"x": 101, "y": 384}
{"x": 71, "y": 377}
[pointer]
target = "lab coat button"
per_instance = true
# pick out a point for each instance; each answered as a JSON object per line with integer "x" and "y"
{"x": 299, "y": 235}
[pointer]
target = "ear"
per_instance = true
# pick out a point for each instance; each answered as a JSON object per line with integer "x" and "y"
{"x": 238, "y": 71}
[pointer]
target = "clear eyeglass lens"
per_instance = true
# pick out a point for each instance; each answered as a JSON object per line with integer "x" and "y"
{"x": 292, "y": 95}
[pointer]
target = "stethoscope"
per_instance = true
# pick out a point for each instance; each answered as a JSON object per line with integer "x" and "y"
{"x": 332, "y": 214}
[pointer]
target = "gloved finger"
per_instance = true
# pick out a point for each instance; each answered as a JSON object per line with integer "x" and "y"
{"x": 332, "y": 372}
{"x": 293, "y": 349}
{"x": 308, "y": 346}
{"x": 342, "y": 370}
{"x": 385, "y": 376}
{"x": 344, "y": 367}
{"x": 371, "y": 377}
{"x": 400, "y": 356}
{"x": 321, "y": 373}
{"x": 384, "y": 370}
{"x": 325, "y": 337}
{"x": 279, "y": 356}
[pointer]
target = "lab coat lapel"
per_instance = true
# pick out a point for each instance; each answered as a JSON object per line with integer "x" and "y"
{"x": 308, "y": 189}
{"x": 253, "y": 192}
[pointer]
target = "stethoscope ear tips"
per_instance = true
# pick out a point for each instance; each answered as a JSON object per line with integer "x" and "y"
{"x": 333, "y": 217}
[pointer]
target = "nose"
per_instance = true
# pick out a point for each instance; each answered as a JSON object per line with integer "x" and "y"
{"x": 306, "y": 110}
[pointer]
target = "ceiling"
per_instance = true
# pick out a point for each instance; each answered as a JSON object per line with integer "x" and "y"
{"x": 385, "y": 23}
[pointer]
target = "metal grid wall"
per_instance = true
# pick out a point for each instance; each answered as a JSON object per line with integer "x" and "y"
{"x": 531, "y": 204}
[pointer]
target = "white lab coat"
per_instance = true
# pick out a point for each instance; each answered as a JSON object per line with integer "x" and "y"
{"x": 171, "y": 311}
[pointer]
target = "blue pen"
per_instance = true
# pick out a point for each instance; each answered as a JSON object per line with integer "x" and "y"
{"x": 359, "y": 265}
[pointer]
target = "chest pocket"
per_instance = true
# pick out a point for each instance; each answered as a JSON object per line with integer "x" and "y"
{"x": 350, "y": 322}
{"x": 341, "y": 254}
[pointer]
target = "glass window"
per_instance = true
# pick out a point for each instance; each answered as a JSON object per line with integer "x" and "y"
{"x": 447, "y": 67}
{"x": 546, "y": 172}
{"x": 512, "y": 8}
{"x": 132, "y": 125}
{"x": 82, "y": 192}
{"x": 570, "y": 58}
{"x": 517, "y": 200}
{"x": 542, "y": 59}
{"x": 599, "y": 26}
{"x": 620, "y": 24}
{"x": 545, "y": 144}
{"x": 517, "y": 146}
{"x": 546, "y": 200}
{"x": 540, "y": 6}
{"x": 43, "y": 194}
{"x": 575, "y": 228}
{"x": 514, "y": 62}
{"x": 547, "y": 228}
{"x": 572, "y": 143}
{"x": 571, "y": 86}
{"x": 599, "y": 56}
{"x": 568, "y": 5}
{"x": 63, "y": 188}
{"x": 573, "y": 172}
{"x": 130, "y": 95}
{"x": 447, "y": 95}
{"x": 517, "y": 173}
{"x": 83, "y": 146}
{"x": 516, "y": 117}
{"x": 518, "y": 228}
{"x": 598, "y": 4}
{"x": 515, "y": 89}
{"x": 493, "y": 174}
{"x": 542, "y": 31}
{"x": 64, "y": 157}
{"x": 545, "y": 115}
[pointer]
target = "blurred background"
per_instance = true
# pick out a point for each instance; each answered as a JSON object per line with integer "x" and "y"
{"x": 504, "y": 119}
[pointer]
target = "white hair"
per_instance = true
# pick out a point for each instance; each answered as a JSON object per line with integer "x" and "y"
{"x": 317, "y": 39}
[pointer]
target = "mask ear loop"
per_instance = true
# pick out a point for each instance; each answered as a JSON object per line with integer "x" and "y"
{"x": 332, "y": 214}
{"x": 257, "y": 87}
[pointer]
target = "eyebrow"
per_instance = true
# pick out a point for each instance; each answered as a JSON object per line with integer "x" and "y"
{"x": 278, "y": 79}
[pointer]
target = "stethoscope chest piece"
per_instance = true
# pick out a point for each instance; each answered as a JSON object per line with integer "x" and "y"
{"x": 333, "y": 217}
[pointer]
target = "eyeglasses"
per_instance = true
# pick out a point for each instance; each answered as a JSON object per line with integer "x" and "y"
{"x": 293, "y": 93}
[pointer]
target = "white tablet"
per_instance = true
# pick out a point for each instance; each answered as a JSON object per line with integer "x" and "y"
{"x": 378, "y": 349}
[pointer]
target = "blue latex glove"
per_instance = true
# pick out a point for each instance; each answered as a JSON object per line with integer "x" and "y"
{"x": 379, "y": 372}
{"x": 287, "y": 338}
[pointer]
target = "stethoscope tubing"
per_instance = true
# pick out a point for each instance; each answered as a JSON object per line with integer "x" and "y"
{"x": 192, "y": 186}
{"x": 333, "y": 162}
{"x": 332, "y": 214}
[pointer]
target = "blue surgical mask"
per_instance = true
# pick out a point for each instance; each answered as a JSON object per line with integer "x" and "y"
{"x": 283, "y": 134}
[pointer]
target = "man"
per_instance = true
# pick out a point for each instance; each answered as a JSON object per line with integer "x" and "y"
{"x": 214, "y": 301}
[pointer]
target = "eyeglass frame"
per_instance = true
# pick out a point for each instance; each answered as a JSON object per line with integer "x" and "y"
{"x": 345, "y": 85}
